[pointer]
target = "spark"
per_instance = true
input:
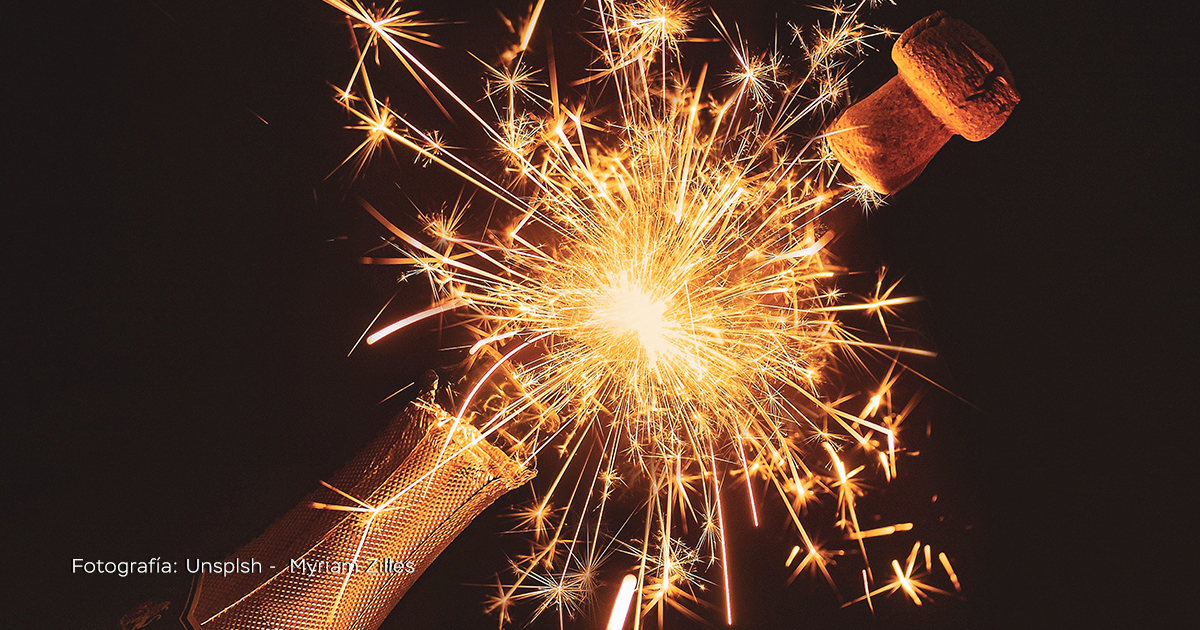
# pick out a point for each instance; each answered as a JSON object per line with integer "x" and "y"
{"x": 950, "y": 571}
{"x": 620, "y": 610}
{"x": 880, "y": 531}
{"x": 905, "y": 580}
{"x": 654, "y": 302}
{"x": 412, "y": 319}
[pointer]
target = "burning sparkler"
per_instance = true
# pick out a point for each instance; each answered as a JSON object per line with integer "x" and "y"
{"x": 657, "y": 309}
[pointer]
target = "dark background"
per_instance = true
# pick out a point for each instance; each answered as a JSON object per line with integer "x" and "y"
{"x": 183, "y": 292}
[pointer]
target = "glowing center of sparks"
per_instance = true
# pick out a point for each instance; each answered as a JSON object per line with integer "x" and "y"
{"x": 625, "y": 308}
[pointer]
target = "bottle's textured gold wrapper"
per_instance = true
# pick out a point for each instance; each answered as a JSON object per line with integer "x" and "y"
{"x": 417, "y": 486}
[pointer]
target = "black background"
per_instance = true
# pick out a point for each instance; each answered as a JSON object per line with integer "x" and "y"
{"x": 180, "y": 305}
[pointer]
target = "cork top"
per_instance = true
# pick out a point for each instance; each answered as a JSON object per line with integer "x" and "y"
{"x": 956, "y": 73}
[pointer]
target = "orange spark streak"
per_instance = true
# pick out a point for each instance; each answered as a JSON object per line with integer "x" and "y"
{"x": 620, "y": 609}
{"x": 724, "y": 549}
{"x": 412, "y": 319}
{"x": 881, "y": 531}
{"x": 950, "y": 571}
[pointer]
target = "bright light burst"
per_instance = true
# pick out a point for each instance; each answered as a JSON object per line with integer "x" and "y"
{"x": 658, "y": 309}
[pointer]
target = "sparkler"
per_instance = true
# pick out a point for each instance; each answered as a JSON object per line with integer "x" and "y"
{"x": 656, "y": 310}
